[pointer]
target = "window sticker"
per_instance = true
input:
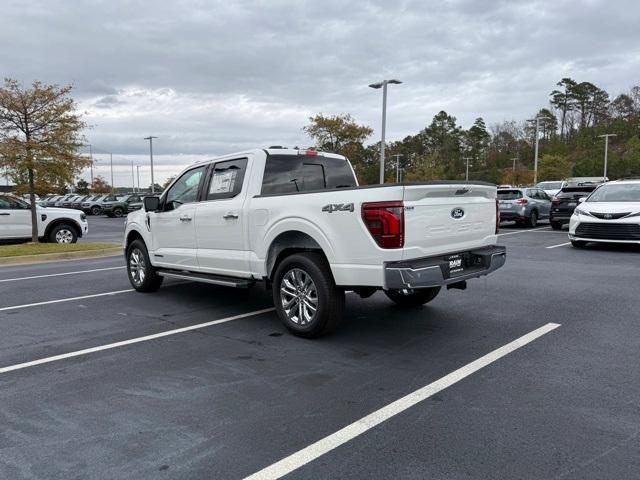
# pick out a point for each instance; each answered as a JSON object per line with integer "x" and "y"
{"x": 223, "y": 181}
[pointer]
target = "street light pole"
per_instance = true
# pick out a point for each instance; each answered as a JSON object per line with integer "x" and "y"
{"x": 606, "y": 148}
{"x": 138, "y": 174}
{"x": 133, "y": 178}
{"x": 535, "y": 162}
{"x": 111, "y": 161}
{"x": 91, "y": 157}
{"x": 383, "y": 84}
{"x": 150, "y": 138}
{"x": 397, "y": 157}
{"x": 467, "y": 174}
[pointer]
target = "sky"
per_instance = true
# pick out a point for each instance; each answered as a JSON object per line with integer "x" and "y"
{"x": 211, "y": 77}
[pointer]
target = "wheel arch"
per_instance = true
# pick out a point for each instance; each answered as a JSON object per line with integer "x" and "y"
{"x": 63, "y": 221}
{"x": 286, "y": 244}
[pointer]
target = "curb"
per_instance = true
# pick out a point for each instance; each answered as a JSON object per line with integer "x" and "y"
{"x": 55, "y": 257}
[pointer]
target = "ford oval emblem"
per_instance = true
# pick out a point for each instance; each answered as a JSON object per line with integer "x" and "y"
{"x": 457, "y": 213}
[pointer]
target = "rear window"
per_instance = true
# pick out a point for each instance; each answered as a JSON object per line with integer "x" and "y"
{"x": 509, "y": 194}
{"x": 301, "y": 173}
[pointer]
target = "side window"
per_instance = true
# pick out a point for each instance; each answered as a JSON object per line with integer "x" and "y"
{"x": 226, "y": 179}
{"x": 185, "y": 190}
{"x": 5, "y": 204}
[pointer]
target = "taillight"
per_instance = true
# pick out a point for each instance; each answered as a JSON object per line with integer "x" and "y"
{"x": 497, "y": 216}
{"x": 522, "y": 201}
{"x": 385, "y": 222}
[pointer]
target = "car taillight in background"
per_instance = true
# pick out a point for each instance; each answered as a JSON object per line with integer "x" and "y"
{"x": 522, "y": 201}
{"x": 385, "y": 222}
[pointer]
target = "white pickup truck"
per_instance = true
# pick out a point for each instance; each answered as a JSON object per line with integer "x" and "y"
{"x": 297, "y": 221}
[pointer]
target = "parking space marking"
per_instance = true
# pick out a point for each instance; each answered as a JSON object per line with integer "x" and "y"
{"x": 131, "y": 341}
{"x": 330, "y": 442}
{"x": 523, "y": 231}
{"x": 62, "y": 300}
{"x": 559, "y": 245}
{"x": 61, "y": 274}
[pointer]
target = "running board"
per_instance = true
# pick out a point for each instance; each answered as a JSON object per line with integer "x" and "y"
{"x": 207, "y": 278}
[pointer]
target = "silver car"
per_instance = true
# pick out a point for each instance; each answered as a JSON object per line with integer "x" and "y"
{"x": 524, "y": 205}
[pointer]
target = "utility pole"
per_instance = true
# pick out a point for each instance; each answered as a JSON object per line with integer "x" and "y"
{"x": 111, "y": 161}
{"x": 150, "y": 138}
{"x": 514, "y": 163}
{"x": 466, "y": 177}
{"x": 91, "y": 157}
{"x": 138, "y": 173}
{"x": 133, "y": 178}
{"x": 397, "y": 157}
{"x": 606, "y": 148}
{"x": 535, "y": 160}
{"x": 383, "y": 84}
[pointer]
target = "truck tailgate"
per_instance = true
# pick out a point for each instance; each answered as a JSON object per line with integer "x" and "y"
{"x": 447, "y": 218}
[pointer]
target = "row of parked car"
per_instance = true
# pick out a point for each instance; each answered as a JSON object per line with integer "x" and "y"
{"x": 96, "y": 204}
{"x": 555, "y": 201}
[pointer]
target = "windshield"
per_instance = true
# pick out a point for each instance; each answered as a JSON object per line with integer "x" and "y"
{"x": 509, "y": 194}
{"x": 616, "y": 193}
{"x": 550, "y": 185}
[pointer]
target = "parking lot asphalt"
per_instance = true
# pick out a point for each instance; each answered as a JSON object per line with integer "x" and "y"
{"x": 229, "y": 399}
{"x": 104, "y": 229}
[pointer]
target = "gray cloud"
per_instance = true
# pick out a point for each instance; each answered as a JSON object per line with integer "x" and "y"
{"x": 210, "y": 77}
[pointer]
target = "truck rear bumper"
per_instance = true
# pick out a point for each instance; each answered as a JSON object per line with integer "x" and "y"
{"x": 443, "y": 269}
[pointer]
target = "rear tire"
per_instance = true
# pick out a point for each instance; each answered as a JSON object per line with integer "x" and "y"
{"x": 412, "y": 298}
{"x": 142, "y": 275}
{"x": 556, "y": 225}
{"x": 532, "y": 221}
{"x": 305, "y": 295}
{"x": 578, "y": 243}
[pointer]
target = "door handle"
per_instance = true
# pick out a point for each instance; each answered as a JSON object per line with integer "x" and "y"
{"x": 185, "y": 218}
{"x": 5, "y": 214}
{"x": 230, "y": 216}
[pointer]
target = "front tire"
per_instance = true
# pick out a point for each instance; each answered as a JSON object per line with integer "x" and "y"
{"x": 578, "y": 243}
{"x": 63, "y": 234}
{"x": 409, "y": 297}
{"x": 117, "y": 212}
{"x": 305, "y": 295}
{"x": 95, "y": 210}
{"x": 142, "y": 275}
{"x": 556, "y": 225}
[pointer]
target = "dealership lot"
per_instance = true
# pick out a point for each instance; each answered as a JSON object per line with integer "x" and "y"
{"x": 229, "y": 399}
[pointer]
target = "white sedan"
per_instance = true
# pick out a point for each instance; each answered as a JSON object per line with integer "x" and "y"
{"x": 611, "y": 214}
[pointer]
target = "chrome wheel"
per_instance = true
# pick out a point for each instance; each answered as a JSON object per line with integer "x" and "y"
{"x": 137, "y": 267}
{"x": 64, "y": 235}
{"x": 299, "y": 296}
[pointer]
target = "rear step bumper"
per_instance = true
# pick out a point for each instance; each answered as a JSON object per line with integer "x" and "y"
{"x": 443, "y": 269}
{"x": 206, "y": 278}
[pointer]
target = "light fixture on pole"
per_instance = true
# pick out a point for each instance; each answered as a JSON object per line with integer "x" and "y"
{"x": 606, "y": 148}
{"x": 150, "y": 138}
{"x": 383, "y": 84}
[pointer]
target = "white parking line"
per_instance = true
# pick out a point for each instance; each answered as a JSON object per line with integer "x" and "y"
{"x": 60, "y": 274}
{"x": 523, "y": 231}
{"x": 559, "y": 245}
{"x": 62, "y": 300}
{"x": 325, "y": 445}
{"x": 109, "y": 346}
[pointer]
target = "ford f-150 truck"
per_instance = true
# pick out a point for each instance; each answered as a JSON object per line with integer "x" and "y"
{"x": 297, "y": 221}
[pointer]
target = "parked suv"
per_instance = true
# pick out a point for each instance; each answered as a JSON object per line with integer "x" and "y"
{"x": 58, "y": 225}
{"x": 120, "y": 206}
{"x": 565, "y": 202}
{"x": 524, "y": 205}
{"x": 93, "y": 205}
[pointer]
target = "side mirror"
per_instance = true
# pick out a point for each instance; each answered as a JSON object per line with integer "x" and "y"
{"x": 582, "y": 199}
{"x": 151, "y": 204}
